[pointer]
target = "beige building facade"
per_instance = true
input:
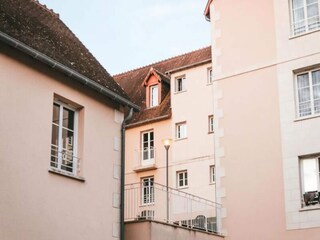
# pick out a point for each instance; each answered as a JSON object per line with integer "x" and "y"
{"x": 265, "y": 60}
{"x": 183, "y": 113}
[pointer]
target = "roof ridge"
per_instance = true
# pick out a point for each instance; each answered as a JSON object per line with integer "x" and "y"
{"x": 43, "y": 6}
{"x": 164, "y": 60}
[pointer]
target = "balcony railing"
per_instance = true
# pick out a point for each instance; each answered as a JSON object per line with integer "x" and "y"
{"x": 64, "y": 161}
{"x": 145, "y": 158}
{"x": 184, "y": 209}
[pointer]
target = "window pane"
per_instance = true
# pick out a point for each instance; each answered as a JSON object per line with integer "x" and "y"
{"x": 55, "y": 115}
{"x": 67, "y": 161}
{"x": 316, "y": 77}
{"x": 303, "y": 80}
{"x": 311, "y": 1}
{"x": 317, "y": 106}
{"x": 304, "y": 95}
{"x": 68, "y": 119}
{"x": 67, "y": 138}
{"x": 55, "y": 135}
{"x": 312, "y": 10}
{"x": 153, "y": 95}
{"x": 304, "y": 109}
{"x": 316, "y": 92}
{"x": 310, "y": 180}
{"x": 297, "y": 3}
{"x": 298, "y": 15}
{"x": 54, "y": 156}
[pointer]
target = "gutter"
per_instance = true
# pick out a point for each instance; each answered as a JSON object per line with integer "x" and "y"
{"x": 188, "y": 66}
{"x": 122, "y": 181}
{"x": 66, "y": 70}
{"x": 131, "y": 125}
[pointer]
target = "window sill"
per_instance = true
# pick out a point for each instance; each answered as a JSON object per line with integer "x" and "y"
{"x": 180, "y": 139}
{"x": 152, "y": 107}
{"x": 180, "y": 92}
{"x": 303, "y": 34}
{"x": 209, "y": 83}
{"x": 148, "y": 167}
{"x": 181, "y": 188}
{"x": 212, "y": 183}
{"x": 306, "y": 117}
{"x": 58, "y": 172}
{"x": 146, "y": 204}
{"x": 210, "y": 132}
{"x": 310, "y": 208}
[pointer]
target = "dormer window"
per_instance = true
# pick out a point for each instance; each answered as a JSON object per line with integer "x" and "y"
{"x": 157, "y": 86}
{"x": 154, "y": 96}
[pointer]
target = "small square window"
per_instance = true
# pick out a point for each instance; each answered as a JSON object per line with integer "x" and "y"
{"x": 181, "y": 130}
{"x": 210, "y": 124}
{"x": 209, "y": 75}
{"x": 182, "y": 179}
{"x": 180, "y": 84}
{"x": 212, "y": 174}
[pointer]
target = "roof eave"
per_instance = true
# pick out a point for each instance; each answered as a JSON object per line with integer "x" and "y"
{"x": 66, "y": 70}
{"x": 188, "y": 66}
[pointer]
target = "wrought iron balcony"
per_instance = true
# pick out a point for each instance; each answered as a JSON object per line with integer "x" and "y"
{"x": 185, "y": 209}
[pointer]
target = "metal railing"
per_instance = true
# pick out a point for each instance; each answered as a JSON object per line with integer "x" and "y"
{"x": 184, "y": 209}
{"x": 64, "y": 161}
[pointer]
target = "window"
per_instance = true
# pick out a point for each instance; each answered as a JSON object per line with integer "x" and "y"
{"x": 212, "y": 174}
{"x": 181, "y": 130}
{"x": 63, "y": 140}
{"x": 147, "y": 147}
{"x": 147, "y": 190}
{"x": 154, "y": 96}
{"x": 182, "y": 179}
{"x": 305, "y": 16}
{"x": 180, "y": 84}
{"x": 210, "y": 123}
{"x": 309, "y": 172}
{"x": 209, "y": 75}
{"x": 308, "y": 93}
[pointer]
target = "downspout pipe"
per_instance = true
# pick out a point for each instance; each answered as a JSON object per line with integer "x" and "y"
{"x": 66, "y": 70}
{"x": 122, "y": 182}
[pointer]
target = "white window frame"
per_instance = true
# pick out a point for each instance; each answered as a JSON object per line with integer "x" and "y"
{"x": 154, "y": 96}
{"x": 182, "y": 182}
{"x": 181, "y": 130}
{"x": 147, "y": 190}
{"x": 298, "y": 114}
{"x": 209, "y": 76}
{"x": 183, "y": 87}
{"x": 149, "y": 150}
{"x": 210, "y": 124}
{"x": 305, "y": 20}
{"x": 61, "y": 155}
{"x": 212, "y": 174}
{"x": 316, "y": 176}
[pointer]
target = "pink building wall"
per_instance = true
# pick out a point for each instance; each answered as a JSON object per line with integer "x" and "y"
{"x": 38, "y": 204}
{"x": 255, "y": 59}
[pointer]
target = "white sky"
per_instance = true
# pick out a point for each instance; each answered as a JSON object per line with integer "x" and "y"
{"x": 124, "y": 35}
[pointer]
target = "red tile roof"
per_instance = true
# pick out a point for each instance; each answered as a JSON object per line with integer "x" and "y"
{"x": 132, "y": 83}
{"x": 41, "y": 29}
